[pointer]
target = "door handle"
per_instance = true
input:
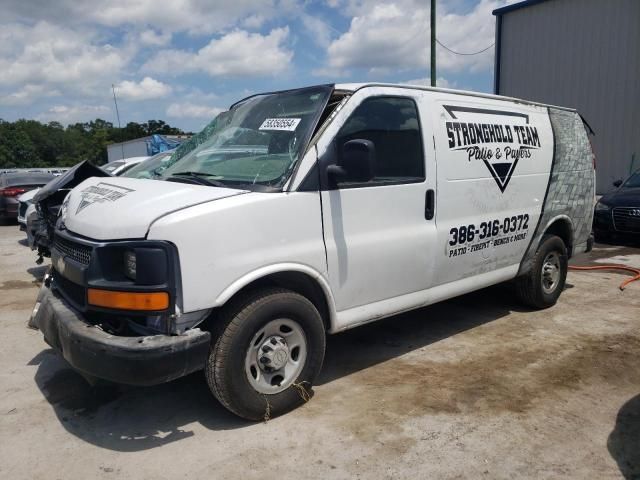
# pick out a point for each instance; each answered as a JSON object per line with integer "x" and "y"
{"x": 430, "y": 205}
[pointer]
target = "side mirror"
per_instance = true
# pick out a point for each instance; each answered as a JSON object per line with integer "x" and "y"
{"x": 356, "y": 162}
{"x": 617, "y": 183}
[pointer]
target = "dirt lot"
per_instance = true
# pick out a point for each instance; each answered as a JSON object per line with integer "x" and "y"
{"x": 476, "y": 387}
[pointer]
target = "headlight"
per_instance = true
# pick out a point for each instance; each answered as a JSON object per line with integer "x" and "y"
{"x": 602, "y": 207}
{"x": 144, "y": 265}
{"x": 130, "y": 264}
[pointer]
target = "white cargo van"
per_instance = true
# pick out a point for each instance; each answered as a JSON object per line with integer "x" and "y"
{"x": 311, "y": 211}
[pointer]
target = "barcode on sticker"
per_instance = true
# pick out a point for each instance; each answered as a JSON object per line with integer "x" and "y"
{"x": 286, "y": 124}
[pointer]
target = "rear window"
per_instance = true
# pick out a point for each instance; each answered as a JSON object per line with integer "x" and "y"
{"x": 27, "y": 179}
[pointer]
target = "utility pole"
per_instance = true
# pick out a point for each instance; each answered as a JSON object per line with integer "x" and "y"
{"x": 433, "y": 43}
{"x": 113, "y": 88}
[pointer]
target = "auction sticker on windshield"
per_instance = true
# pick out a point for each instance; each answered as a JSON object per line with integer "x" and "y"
{"x": 285, "y": 124}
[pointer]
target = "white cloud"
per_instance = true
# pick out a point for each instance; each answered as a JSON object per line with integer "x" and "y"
{"x": 146, "y": 89}
{"x": 47, "y": 54}
{"x": 71, "y": 114}
{"x": 395, "y": 36}
{"x": 386, "y": 37}
{"x": 150, "y": 37}
{"x": 254, "y": 21}
{"x": 441, "y": 82}
{"x": 27, "y": 94}
{"x": 192, "y": 110}
{"x": 319, "y": 30}
{"x": 196, "y": 17}
{"x": 236, "y": 53}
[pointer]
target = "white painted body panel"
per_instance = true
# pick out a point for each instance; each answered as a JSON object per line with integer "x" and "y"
{"x": 223, "y": 244}
{"x": 26, "y": 198}
{"x": 379, "y": 245}
{"x": 469, "y": 195}
{"x": 135, "y": 205}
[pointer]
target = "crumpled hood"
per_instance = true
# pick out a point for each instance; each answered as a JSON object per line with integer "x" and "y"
{"x": 72, "y": 177}
{"x": 124, "y": 208}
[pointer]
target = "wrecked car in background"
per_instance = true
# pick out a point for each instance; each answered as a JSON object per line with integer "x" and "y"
{"x": 41, "y": 221}
{"x": 41, "y": 211}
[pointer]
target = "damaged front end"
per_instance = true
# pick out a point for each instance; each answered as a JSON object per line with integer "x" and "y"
{"x": 113, "y": 310}
{"x": 48, "y": 201}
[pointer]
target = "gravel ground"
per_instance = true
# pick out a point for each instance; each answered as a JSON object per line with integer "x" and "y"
{"x": 476, "y": 387}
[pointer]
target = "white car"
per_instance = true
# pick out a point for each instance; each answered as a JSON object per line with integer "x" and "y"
{"x": 118, "y": 167}
{"x": 24, "y": 201}
{"x": 307, "y": 212}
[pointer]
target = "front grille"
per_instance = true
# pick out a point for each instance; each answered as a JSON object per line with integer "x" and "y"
{"x": 76, "y": 251}
{"x": 71, "y": 291}
{"x": 23, "y": 209}
{"x": 626, "y": 219}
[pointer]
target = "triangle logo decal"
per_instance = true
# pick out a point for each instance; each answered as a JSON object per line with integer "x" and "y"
{"x": 497, "y": 138}
{"x": 501, "y": 172}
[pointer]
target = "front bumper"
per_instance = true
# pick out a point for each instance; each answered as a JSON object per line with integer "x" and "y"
{"x": 602, "y": 221}
{"x": 605, "y": 225}
{"x": 149, "y": 360}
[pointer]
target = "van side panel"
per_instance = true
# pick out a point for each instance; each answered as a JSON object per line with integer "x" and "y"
{"x": 223, "y": 244}
{"x": 494, "y": 160}
{"x": 571, "y": 190}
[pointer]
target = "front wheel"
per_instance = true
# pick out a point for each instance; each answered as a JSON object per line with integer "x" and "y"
{"x": 541, "y": 287}
{"x": 268, "y": 352}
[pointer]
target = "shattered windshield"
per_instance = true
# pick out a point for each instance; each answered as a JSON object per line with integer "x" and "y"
{"x": 150, "y": 168}
{"x": 257, "y": 142}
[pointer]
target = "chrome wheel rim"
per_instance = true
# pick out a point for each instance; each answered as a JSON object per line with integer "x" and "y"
{"x": 276, "y": 356}
{"x": 551, "y": 272}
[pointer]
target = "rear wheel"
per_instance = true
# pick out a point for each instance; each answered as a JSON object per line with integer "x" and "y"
{"x": 541, "y": 287}
{"x": 267, "y": 354}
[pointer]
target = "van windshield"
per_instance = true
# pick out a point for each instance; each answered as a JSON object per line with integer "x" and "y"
{"x": 256, "y": 143}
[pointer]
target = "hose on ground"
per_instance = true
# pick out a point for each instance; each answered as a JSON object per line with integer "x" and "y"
{"x": 635, "y": 271}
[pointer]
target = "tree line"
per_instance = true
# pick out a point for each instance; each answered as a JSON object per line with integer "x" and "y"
{"x": 30, "y": 144}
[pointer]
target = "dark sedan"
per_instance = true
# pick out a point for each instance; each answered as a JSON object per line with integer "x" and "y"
{"x": 12, "y": 185}
{"x": 617, "y": 213}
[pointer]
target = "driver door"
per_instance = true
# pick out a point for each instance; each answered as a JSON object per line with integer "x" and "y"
{"x": 380, "y": 234}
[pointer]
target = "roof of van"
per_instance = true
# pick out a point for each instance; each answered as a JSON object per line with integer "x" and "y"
{"x": 352, "y": 87}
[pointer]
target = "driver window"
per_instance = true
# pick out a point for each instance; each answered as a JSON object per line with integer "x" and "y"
{"x": 391, "y": 123}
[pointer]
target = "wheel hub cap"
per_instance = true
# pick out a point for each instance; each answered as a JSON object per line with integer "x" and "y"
{"x": 550, "y": 272}
{"x": 274, "y": 354}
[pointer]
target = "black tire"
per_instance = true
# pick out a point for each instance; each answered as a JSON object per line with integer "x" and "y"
{"x": 530, "y": 287}
{"x": 236, "y": 327}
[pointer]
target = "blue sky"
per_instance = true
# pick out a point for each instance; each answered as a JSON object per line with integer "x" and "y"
{"x": 187, "y": 60}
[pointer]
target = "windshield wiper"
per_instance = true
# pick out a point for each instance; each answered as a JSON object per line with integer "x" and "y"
{"x": 200, "y": 177}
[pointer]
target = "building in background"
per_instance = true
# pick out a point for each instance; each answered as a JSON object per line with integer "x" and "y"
{"x": 144, "y": 146}
{"x": 583, "y": 54}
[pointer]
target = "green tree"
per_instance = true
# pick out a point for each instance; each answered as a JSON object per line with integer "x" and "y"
{"x": 29, "y": 143}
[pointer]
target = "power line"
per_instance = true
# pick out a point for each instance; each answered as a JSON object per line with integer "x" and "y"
{"x": 460, "y": 53}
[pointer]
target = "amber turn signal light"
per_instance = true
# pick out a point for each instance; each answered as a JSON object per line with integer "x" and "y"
{"x": 152, "y": 301}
